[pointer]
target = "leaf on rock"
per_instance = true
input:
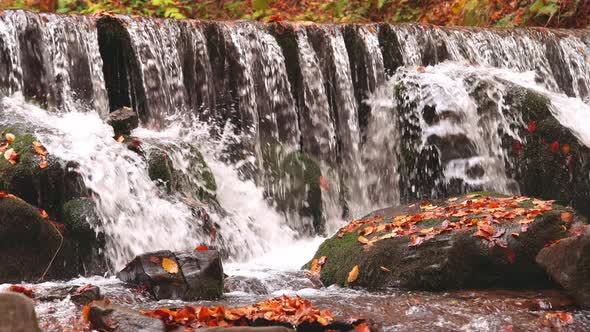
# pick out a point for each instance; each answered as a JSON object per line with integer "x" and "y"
{"x": 353, "y": 274}
{"x": 11, "y": 156}
{"x": 532, "y": 126}
{"x": 23, "y": 290}
{"x": 362, "y": 327}
{"x": 202, "y": 248}
{"x": 40, "y": 149}
{"x": 554, "y": 147}
{"x": 43, "y": 164}
{"x": 565, "y": 148}
{"x": 363, "y": 240}
{"x": 169, "y": 265}
{"x": 567, "y": 217}
{"x": 9, "y": 137}
{"x": 384, "y": 269}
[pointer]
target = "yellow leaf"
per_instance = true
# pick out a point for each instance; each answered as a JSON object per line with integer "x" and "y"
{"x": 363, "y": 240}
{"x": 169, "y": 265}
{"x": 10, "y": 137}
{"x": 353, "y": 274}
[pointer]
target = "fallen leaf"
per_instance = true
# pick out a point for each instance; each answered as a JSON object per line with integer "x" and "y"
{"x": 421, "y": 69}
{"x": 23, "y": 290}
{"x": 40, "y": 149}
{"x": 567, "y": 217}
{"x": 516, "y": 234}
{"x": 202, "y": 248}
{"x": 363, "y": 240}
{"x": 83, "y": 288}
{"x": 554, "y": 147}
{"x": 121, "y": 139}
{"x": 565, "y": 148}
{"x": 10, "y": 137}
{"x": 169, "y": 265}
{"x": 532, "y": 126}
{"x": 43, "y": 214}
{"x": 43, "y": 164}
{"x": 353, "y": 274}
{"x": 3, "y": 146}
{"x": 384, "y": 269}
{"x": 362, "y": 327}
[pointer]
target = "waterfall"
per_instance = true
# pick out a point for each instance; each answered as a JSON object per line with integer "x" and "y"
{"x": 302, "y": 125}
{"x": 53, "y": 60}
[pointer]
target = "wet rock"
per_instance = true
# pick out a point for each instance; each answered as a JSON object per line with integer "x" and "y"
{"x": 161, "y": 170}
{"x": 293, "y": 182}
{"x": 42, "y": 187}
{"x": 86, "y": 294}
{"x": 17, "y": 313}
{"x": 104, "y": 316}
{"x": 199, "y": 274}
{"x": 568, "y": 263}
{"x": 123, "y": 121}
{"x": 551, "y": 162}
{"x": 28, "y": 242}
{"x": 85, "y": 244}
{"x": 454, "y": 258}
{"x": 244, "y": 284}
{"x": 121, "y": 69}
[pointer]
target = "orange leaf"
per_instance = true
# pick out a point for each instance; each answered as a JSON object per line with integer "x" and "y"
{"x": 517, "y": 234}
{"x": 567, "y": 216}
{"x": 353, "y": 274}
{"x": 43, "y": 164}
{"x": 169, "y": 265}
{"x": 384, "y": 269}
{"x": 40, "y": 149}
{"x": 565, "y": 148}
{"x": 362, "y": 327}
{"x": 202, "y": 248}
{"x": 421, "y": 69}
{"x": 363, "y": 240}
{"x": 10, "y": 137}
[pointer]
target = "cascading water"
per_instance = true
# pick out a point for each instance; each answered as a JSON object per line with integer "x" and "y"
{"x": 370, "y": 116}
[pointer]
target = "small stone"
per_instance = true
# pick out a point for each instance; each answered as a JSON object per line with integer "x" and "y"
{"x": 123, "y": 121}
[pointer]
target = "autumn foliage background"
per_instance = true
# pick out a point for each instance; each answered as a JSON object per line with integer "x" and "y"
{"x": 501, "y": 13}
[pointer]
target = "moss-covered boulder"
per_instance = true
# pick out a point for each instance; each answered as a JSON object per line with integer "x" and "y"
{"x": 36, "y": 179}
{"x": 28, "y": 242}
{"x": 292, "y": 180}
{"x": 161, "y": 169}
{"x": 479, "y": 240}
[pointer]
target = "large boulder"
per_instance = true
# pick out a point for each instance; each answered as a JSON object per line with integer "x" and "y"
{"x": 28, "y": 242}
{"x": 17, "y": 313}
{"x": 479, "y": 240}
{"x": 190, "y": 276}
{"x": 568, "y": 262}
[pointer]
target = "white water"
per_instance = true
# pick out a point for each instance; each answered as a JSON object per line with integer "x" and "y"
{"x": 136, "y": 217}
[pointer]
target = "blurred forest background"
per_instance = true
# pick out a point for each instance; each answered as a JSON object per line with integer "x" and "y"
{"x": 500, "y": 13}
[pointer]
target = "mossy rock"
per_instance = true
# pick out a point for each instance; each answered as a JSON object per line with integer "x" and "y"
{"x": 292, "y": 180}
{"x": 42, "y": 187}
{"x": 84, "y": 245}
{"x": 454, "y": 259}
{"x": 161, "y": 170}
{"x": 551, "y": 163}
{"x": 27, "y": 241}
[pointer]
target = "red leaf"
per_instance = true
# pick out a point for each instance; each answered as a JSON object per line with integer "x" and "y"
{"x": 517, "y": 147}
{"x": 532, "y": 126}
{"x": 565, "y": 148}
{"x": 202, "y": 248}
{"x": 554, "y": 147}
{"x": 21, "y": 289}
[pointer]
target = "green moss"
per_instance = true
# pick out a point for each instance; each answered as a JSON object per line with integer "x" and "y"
{"x": 80, "y": 218}
{"x": 450, "y": 260}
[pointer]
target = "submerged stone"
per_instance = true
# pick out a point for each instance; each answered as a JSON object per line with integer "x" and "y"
{"x": 473, "y": 241}
{"x": 104, "y": 316}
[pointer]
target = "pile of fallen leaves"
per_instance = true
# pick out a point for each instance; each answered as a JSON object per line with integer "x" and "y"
{"x": 475, "y": 211}
{"x": 13, "y": 157}
{"x": 291, "y": 311}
